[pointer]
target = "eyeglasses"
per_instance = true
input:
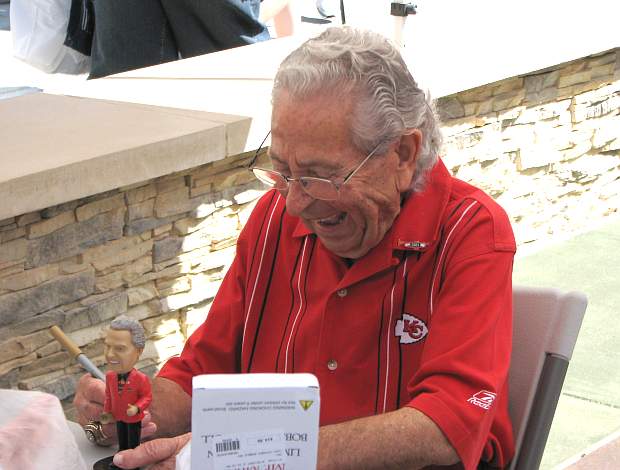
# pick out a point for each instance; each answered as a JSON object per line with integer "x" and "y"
{"x": 317, "y": 188}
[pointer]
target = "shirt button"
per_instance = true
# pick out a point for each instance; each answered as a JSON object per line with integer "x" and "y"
{"x": 332, "y": 364}
{"x": 342, "y": 293}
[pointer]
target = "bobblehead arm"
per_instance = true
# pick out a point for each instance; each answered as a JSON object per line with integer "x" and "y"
{"x": 145, "y": 395}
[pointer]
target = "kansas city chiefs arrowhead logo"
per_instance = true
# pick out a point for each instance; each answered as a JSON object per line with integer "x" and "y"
{"x": 410, "y": 329}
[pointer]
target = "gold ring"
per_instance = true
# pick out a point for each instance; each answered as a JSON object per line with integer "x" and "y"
{"x": 94, "y": 432}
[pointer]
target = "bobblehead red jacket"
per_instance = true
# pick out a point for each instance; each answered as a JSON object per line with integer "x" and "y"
{"x": 136, "y": 391}
{"x": 423, "y": 320}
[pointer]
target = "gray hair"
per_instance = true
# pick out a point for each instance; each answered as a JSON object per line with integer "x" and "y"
{"x": 123, "y": 322}
{"x": 389, "y": 102}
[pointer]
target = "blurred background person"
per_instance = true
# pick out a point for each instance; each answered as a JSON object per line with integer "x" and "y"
{"x": 131, "y": 34}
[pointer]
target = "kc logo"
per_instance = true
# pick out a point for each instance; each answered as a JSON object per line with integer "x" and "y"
{"x": 410, "y": 329}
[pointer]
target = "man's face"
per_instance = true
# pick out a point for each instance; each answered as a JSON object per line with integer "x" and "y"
{"x": 311, "y": 137}
{"x": 120, "y": 353}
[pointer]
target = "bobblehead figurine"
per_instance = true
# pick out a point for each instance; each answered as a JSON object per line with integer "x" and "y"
{"x": 128, "y": 391}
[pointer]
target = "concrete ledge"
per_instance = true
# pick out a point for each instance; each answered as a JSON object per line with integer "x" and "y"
{"x": 235, "y": 82}
{"x": 58, "y": 148}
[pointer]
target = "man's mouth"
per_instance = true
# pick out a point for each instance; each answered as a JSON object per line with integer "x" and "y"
{"x": 333, "y": 220}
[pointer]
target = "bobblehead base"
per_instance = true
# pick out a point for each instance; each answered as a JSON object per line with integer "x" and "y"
{"x": 103, "y": 464}
{"x": 255, "y": 422}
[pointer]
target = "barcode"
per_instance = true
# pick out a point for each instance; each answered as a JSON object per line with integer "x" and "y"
{"x": 227, "y": 445}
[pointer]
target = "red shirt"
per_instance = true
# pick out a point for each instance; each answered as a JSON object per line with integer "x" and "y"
{"x": 423, "y": 320}
{"x": 136, "y": 391}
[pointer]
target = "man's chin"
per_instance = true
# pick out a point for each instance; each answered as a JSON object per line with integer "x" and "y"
{"x": 354, "y": 251}
{"x": 348, "y": 252}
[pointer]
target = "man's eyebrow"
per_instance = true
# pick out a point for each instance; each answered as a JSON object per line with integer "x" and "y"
{"x": 308, "y": 162}
{"x": 273, "y": 156}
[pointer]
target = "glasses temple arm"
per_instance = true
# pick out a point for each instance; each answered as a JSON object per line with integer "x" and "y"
{"x": 255, "y": 157}
{"x": 355, "y": 170}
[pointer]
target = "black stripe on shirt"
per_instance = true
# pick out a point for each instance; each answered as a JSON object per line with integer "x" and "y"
{"x": 400, "y": 345}
{"x": 290, "y": 310}
{"x": 262, "y": 225}
{"x": 266, "y": 294}
{"x": 381, "y": 332}
{"x": 378, "y": 368}
{"x": 303, "y": 313}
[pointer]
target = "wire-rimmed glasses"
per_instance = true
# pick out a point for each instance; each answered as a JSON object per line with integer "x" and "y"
{"x": 317, "y": 188}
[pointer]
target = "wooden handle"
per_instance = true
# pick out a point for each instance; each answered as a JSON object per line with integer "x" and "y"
{"x": 66, "y": 343}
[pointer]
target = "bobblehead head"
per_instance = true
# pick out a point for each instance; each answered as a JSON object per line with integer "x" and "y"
{"x": 123, "y": 344}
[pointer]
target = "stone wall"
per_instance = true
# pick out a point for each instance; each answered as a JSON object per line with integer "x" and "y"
{"x": 546, "y": 145}
{"x": 155, "y": 251}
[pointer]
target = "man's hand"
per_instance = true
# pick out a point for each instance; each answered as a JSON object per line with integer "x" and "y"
{"x": 88, "y": 401}
{"x": 160, "y": 454}
{"x": 132, "y": 410}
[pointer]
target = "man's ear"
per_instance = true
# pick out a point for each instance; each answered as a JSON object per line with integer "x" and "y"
{"x": 408, "y": 151}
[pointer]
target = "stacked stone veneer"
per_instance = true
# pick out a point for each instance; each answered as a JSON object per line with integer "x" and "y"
{"x": 155, "y": 251}
{"x": 547, "y": 145}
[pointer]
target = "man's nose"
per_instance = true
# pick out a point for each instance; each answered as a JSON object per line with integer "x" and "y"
{"x": 297, "y": 200}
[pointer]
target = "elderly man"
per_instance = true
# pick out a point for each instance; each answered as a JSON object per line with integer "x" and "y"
{"x": 369, "y": 266}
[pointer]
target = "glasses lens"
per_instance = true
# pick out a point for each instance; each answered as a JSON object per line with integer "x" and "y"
{"x": 270, "y": 178}
{"x": 319, "y": 188}
{"x": 315, "y": 187}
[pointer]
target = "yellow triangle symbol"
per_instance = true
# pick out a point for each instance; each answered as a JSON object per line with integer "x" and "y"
{"x": 305, "y": 404}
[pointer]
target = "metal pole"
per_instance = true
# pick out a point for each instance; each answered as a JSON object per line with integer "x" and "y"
{"x": 400, "y": 11}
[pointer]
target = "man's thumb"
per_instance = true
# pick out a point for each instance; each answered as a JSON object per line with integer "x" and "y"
{"x": 151, "y": 452}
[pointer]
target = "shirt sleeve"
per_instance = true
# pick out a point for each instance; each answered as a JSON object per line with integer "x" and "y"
{"x": 462, "y": 380}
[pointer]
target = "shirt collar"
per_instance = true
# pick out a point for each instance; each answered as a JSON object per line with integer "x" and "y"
{"x": 417, "y": 226}
{"x": 126, "y": 374}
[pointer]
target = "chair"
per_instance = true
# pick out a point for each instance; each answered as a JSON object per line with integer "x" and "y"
{"x": 546, "y": 323}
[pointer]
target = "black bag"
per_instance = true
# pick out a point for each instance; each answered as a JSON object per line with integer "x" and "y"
{"x": 81, "y": 26}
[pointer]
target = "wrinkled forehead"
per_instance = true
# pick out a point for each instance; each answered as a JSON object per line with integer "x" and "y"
{"x": 316, "y": 119}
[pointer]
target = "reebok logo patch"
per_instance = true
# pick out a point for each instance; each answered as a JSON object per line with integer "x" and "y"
{"x": 484, "y": 399}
